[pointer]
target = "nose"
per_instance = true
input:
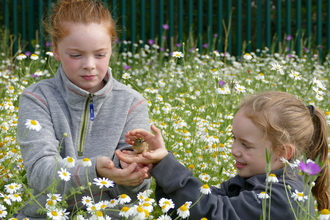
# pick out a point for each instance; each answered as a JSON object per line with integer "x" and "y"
{"x": 89, "y": 63}
{"x": 235, "y": 150}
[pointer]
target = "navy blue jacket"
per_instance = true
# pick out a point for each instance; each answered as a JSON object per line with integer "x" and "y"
{"x": 236, "y": 199}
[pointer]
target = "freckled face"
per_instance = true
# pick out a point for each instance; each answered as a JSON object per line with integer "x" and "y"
{"x": 85, "y": 54}
{"x": 249, "y": 147}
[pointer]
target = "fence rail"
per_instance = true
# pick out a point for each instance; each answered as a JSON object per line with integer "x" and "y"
{"x": 234, "y": 26}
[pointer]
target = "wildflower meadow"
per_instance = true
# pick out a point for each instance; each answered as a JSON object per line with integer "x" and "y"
{"x": 192, "y": 97}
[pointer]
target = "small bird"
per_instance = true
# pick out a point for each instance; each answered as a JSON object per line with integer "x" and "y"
{"x": 140, "y": 146}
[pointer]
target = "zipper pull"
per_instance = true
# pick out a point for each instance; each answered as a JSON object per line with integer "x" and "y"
{"x": 91, "y": 107}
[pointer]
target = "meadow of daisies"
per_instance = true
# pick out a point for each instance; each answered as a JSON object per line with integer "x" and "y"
{"x": 192, "y": 97}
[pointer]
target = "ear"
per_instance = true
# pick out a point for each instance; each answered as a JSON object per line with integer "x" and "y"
{"x": 55, "y": 52}
{"x": 287, "y": 151}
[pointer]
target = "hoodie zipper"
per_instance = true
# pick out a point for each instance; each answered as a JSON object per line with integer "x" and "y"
{"x": 89, "y": 108}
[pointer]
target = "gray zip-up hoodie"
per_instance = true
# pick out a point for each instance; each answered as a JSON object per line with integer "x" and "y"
{"x": 62, "y": 107}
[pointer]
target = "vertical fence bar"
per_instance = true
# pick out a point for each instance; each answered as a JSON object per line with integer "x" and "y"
{"x": 152, "y": 19}
{"x": 239, "y": 28}
{"x": 114, "y": 9}
{"x": 40, "y": 32}
{"x": 31, "y": 28}
{"x": 248, "y": 26}
{"x": 298, "y": 26}
{"x": 200, "y": 24}
{"x": 209, "y": 23}
{"x": 268, "y": 25}
{"x": 171, "y": 24}
{"x": 259, "y": 25}
{"x": 23, "y": 22}
{"x": 220, "y": 25}
{"x": 279, "y": 26}
{"x": 143, "y": 21}
{"x": 328, "y": 26}
{"x": 190, "y": 16}
{"x": 288, "y": 17}
{"x": 229, "y": 25}
{"x": 308, "y": 23}
{"x": 123, "y": 22}
{"x": 319, "y": 28}
{"x": 160, "y": 22}
{"x": 15, "y": 25}
{"x": 6, "y": 13}
{"x": 180, "y": 21}
{"x": 132, "y": 20}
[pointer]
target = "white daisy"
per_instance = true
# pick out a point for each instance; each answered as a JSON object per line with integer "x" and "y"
{"x": 299, "y": 196}
{"x": 125, "y": 212}
{"x": 34, "y": 57}
{"x": 21, "y": 56}
{"x": 3, "y": 212}
{"x": 123, "y": 198}
{"x": 272, "y": 178}
{"x": 278, "y": 68}
{"x": 113, "y": 203}
{"x": 177, "y": 54}
{"x": 164, "y": 217}
{"x": 126, "y": 76}
{"x": 166, "y": 204}
{"x": 247, "y": 56}
{"x": 324, "y": 215}
{"x": 54, "y": 197}
{"x": 100, "y": 182}
{"x": 205, "y": 189}
{"x": 86, "y": 200}
{"x": 263, "y": 195}
{"x": 86, "y": 162}
{"x": 32, "y": 125}
{"x": 15, "y": 197}
{"x": 64, "y": 175}
{"x": 69, "y": 162}
{"x": 183, "y": 211}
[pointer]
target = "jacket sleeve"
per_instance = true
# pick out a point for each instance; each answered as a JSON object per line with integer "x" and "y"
{"x": 138, "y": 117}
{"x": 40, "y": 149}
{"x": 176, "y": 182}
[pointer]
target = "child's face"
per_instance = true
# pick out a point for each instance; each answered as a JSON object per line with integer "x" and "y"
{"x": 249, "y": 147}
{"x": 85, "y": 53}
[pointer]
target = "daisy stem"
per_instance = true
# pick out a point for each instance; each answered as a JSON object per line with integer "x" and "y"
{"x": 287, "y": 195}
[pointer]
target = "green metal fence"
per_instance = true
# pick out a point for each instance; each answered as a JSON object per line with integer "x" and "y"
{"x": 234, "y": 26}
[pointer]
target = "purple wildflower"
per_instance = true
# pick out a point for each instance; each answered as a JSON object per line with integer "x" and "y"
{"x": 215, "y": 35}
{"x": 48, "y": 44}
{"x": 221, "y": 83}
{"x": 165, "y": 26}
{"x": 306, "y": 49}
{"x": 289, "y": 37}
{"x": 178, "y": 45}
{"x": 151, "y": 41}
{"x": 127, "y": 67}
{"x": 28, "y": 53}
{"x": 205, "y": 45}
{"x": 287, "y": 48}
{"x": 310, "y": 167}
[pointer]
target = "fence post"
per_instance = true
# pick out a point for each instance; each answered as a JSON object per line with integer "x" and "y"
{"x": 180, "y": 22}
{"x": 239, "y": 28}
{"x": 15, "y": 26}
{"x": 209, "y": 24}
{"x": 133, "y": 22}
{"x": 200, "y": 25}
{"x": 268, "y": 25}
{"x": 328, "y": 26}
{"x": 171, "y": 24}
{"x": 152, "y": 19}
{"x": 298, "y": 26}
{"x": 220, "y": 25}
{"x": 308, "y": 23}
{"x": 143, "y": 21}
{"x": 229, "y": 15}
{"x": 319, "y": 28}
{"x": 248, "y": 26}
{"x": 259, "y": 25}
{"x": 160, "y": 22}
{"x": 279, "y": 26}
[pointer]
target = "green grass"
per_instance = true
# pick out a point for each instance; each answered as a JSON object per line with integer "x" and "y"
{"x": 185, "y": 100}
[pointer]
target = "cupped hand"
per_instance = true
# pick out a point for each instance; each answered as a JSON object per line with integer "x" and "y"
{"x": 131, "y": 175}
{"x": 156, "y": 151}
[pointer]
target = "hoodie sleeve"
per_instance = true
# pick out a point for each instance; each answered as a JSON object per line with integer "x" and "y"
{"x": 176, "y": 182}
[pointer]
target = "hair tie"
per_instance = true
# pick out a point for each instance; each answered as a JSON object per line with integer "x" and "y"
{"x": 311, "y": 110}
